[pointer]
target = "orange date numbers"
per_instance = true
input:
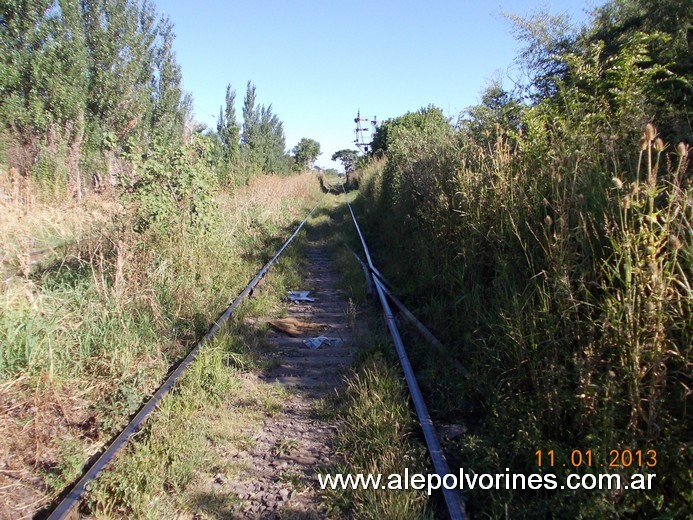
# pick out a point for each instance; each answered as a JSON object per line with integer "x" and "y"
{"x": 585, "y": 458}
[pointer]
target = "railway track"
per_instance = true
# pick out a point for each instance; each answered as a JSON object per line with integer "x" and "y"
{"x": 314, "y": 374}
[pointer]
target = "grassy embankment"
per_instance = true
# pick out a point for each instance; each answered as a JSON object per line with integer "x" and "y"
{"x": 85, "y": 341}
{"x": 556, "y": 267}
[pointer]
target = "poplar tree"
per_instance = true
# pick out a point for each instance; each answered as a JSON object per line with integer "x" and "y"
{"x": 227, "y": 127}
{"x": 169, "y": 101}
{"x": 250, "y": 117}
{"x": 43, "y": 81}
{"x": 263, "y": 138}
{"x": 121, "y": 40}
{"x": 73, "y": 84}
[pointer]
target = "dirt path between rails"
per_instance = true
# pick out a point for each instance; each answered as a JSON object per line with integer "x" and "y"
{"x": 278, "y": 479}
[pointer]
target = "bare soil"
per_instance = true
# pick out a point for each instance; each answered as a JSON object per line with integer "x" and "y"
{"x": 278, "y": 479}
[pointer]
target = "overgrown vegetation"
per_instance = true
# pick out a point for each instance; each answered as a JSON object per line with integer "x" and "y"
{"x": 140, "y": 215}
{"x": 376, "y": 431}
{"x": 90, "y": 90}
{"x": 87, "y": 340}
{"x": 546, "y": 238}
{"x": 376, "y": 436}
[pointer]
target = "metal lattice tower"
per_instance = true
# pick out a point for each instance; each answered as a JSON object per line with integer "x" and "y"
{"x": 362, "y": 141}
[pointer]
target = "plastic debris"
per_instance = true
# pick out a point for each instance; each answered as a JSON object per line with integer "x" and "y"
{"x": 300, "y": 296}
{"x": 318, "y": 342}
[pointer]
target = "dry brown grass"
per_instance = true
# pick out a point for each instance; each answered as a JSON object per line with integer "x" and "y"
{"x": 30, "y": 226}
{"x": 52, "y": 415}
{"x": 268, "y": 197}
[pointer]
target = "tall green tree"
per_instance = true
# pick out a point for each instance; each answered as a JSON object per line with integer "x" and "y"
{"x": 306, "y": 152}
{"x": 121, "y": 40}
{"x": 170, "y": 105}
{"x": 423, "y": 120}
{"x": 250, "y": 116}
{"x": 348, "y": 158}
{"x": 43, "y": 79}
{"x": 73, "y": 56}
{"x": 272, "y": 142}
{"x": 227, "y": 127}
{"x": 263, "y": 138}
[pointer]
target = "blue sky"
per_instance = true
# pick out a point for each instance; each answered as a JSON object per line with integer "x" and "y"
{"x": 318, "y": 62}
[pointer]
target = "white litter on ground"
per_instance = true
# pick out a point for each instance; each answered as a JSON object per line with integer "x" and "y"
{"x": 300, "y": 296}
{"x": 318, "y": 342}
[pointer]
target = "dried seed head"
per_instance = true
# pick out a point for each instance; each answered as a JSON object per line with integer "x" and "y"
{"x": 650, "y": 132}
{"x": 643, "y": 144}
{"x": 634, "y": 188}
{"x": 617, "y": 182}
{"x": 548, "y": 220}
{"x": 682, "y": 149}
{"x": 659, "y": 145}
{"x": 627, "y": 202}
{"x": 675, "y": 243}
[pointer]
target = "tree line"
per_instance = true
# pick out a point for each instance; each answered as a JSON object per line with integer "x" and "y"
{"x": 90, "y": 91}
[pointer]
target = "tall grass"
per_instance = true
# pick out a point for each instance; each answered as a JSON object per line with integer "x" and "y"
{"x": 376, "y": 437}
{"x": 104, "y": 326}
{"x": 556, "y": 264}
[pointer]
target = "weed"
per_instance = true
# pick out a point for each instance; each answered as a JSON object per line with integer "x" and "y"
{"x": 284, "y": 447}
{"x": 107, "y": 326}
{"x": 548, "y": 280}
{"x": 376, "y": 436}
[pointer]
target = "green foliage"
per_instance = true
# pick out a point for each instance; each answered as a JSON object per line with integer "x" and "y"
{"x": 305, "y": 152}
{"x": 43, "y": 87}
{"x": 170, "y": 106}
{"x": 498, "y": 114}
{"x": 169, "y": 454}
{"x": 547, "y": 38}
{"x": 173, "y": 190}
{"x": 430, "y": 119}
{"x": 376, "y": 437}
{"x": 42, "y": 83}
{"x": 347, "y": 157}
{"x": 227, "y": 127}
{"x": 262, "y": 140}
{"x": 550, "y": 251}
{"x": 121, "y": 43}
{"x": 91, "y": 84}
{"x": 616, "y": 23}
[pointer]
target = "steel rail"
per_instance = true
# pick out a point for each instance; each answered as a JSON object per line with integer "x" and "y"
{"x": 420, "y": 327}
{"x": 72, "y": 499}
{"x": 408, "y": 315}
{"x": 453, "y": 501}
